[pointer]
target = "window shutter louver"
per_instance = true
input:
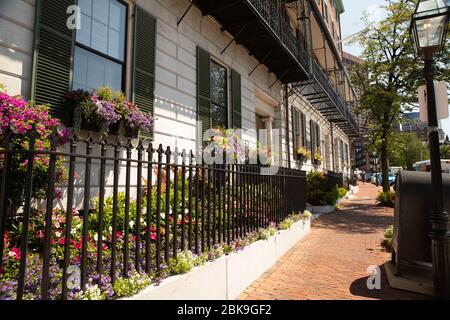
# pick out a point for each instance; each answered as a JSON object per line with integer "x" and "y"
{"x": 312, "y": 136}
{"x": 303, "y": 130}
{"x": 204, "y": 90}
{"x": 294, "y": 130}
{"x": 143, "y": 90}
{"x": 318, "y": 136}
{"x": 236, "y": 100}
{"x": 52, "y": 58}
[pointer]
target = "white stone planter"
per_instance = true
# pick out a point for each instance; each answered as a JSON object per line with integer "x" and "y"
{"x": 226, "y": 278}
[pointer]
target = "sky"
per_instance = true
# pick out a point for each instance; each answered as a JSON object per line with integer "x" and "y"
{"x": 351, "y": 24}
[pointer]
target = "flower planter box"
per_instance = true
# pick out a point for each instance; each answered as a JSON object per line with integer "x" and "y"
{"x": 227, "y": 277}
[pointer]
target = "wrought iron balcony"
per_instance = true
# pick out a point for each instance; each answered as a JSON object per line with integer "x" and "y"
{"x": 261, "y": 27}
{"x": 320, "y": 92}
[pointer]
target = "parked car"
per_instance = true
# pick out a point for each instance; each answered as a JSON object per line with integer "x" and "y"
{"x": 379, "y": 177}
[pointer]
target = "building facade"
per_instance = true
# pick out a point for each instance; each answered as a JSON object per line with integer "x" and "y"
{"x": 250, "y": 64}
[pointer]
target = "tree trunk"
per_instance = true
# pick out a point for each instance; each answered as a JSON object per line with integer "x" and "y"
{"x": 385, "y": 166}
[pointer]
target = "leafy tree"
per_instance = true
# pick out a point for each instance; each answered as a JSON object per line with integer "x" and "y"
{"x": 390, "y": 76}
{"x": 445, "y": 151}
{"x": 407, "y": 150}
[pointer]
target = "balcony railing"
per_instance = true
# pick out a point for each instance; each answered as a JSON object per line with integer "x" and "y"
{"x": 275, "y": 19}
{"x": 262, "y": 26}
{"x": 336, "y": 99}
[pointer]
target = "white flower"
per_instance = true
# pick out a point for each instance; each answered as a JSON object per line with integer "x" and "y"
{"x": 131, "y": 224}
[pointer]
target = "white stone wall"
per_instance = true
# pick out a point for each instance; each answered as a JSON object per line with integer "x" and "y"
{"x": 176, "y": 95}
{"x": 16, "y": 45}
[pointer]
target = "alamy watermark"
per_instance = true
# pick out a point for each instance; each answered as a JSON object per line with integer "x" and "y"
{"x": 74, "y": 20}
{"x": 374, "y": 281}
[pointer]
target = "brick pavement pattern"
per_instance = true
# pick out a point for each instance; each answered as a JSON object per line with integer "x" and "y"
{"x": 331, "y": 262}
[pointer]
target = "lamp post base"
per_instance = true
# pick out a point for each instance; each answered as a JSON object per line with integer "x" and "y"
{"x": 440, "y": 251}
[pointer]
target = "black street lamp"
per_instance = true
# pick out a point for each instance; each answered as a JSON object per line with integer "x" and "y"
{"x": 429, "y": 27}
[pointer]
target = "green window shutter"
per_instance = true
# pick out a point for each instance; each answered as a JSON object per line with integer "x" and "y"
{"x": 318, "y": 136}
{"x": 303, "y": 120}
{"x": 204, "y": 90}
{"x": 143, "y": 92}
{"x": 294, "y": 130}
{"x": 312, "y": 136}
{"x": 236, "y": 100}
{"x": 52, "y": 58}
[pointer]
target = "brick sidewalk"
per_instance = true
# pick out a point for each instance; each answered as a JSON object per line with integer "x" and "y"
{"x": 332, "y": 262}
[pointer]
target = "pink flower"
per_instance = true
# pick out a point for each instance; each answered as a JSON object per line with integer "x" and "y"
{"x": 118, "y": 234}
{"x": 14, "y": 253}
{"x": 153, "y": 236}
{"x": 40, "y": 234}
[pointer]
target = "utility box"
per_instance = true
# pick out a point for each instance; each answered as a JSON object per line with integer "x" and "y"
{"x": 413, "y": 207}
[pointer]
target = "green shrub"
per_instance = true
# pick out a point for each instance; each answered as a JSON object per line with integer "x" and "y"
{"x": 126, "y": 287}
{"x": 318, "y": 191}
{"x": 92, "y": 292}
{"x": 342, "y": 192}
{"x": 184, "y": 262}
{"x": 286, "y": 224}
{"x": 307, "y": 215}
{"x": 200, "y": 259}
{"x": 386, "y": 199}
{"x": 388, "y": 236}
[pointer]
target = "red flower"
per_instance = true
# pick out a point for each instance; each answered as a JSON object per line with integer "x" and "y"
{"x": 153, "y": 229}
{"x": 118, "y": 234}
{"x": 133, "y": 237}
{"x": 15, "y": 253}
{"x": 62, "y": 241}
{"x": 153, "y": 236}
{"x": 78, "y": 245}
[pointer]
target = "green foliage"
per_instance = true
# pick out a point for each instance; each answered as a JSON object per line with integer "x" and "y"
{"x": 306, "y": 215}
{"x": 407, "y": 149}
{"x": 386, "y": 199}
{"x": 92, "y": 292}
{"x": 388, "y": 236}
{"x": 286, "y": 224}
{"x": 342, "y": 192}
{"x": 318, "y": 193}
{"x": 390, "y": 76}
{"x": 184, "y": 262}
{"x": 445, "y": 151}
{"x": 126, "y": 287}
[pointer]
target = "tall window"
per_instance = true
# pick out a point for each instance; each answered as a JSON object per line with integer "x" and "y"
{"x": 298, "y": 130}
{"x": 100, "y": 45}
{"x": 219, "y": 95}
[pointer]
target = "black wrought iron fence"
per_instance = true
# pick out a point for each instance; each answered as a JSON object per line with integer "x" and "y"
{"x": 124, "y": 207}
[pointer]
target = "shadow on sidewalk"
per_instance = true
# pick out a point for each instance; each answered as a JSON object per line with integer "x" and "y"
{"x": 365, "y": 219}
{"x": 359, "y": 289}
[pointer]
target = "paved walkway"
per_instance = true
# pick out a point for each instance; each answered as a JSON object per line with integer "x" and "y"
{"x": 332, "y": 261}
